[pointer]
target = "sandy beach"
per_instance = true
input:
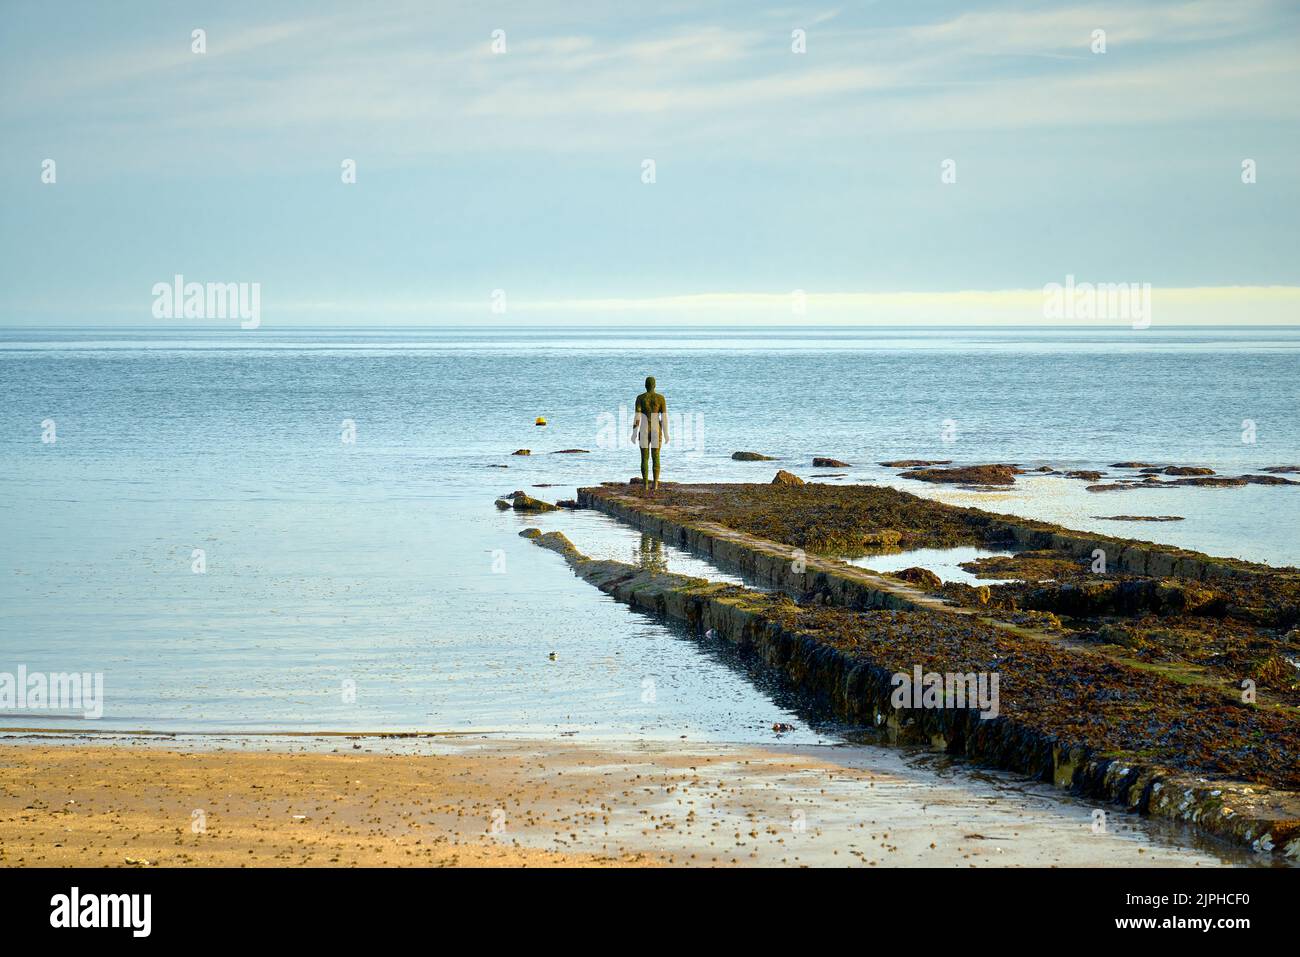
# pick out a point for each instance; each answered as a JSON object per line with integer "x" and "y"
{"x": 342, "y": 802}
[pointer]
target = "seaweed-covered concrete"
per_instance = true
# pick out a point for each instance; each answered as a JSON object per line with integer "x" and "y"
{"x": 1103, "y": 745}
{"x": 1104, "y": 673}
{"x": 1224, "y": 623}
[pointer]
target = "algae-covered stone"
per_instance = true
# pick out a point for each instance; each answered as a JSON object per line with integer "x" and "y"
{"x": 786, "y": 478}
{"x": 752, "y": 457}
{"x": 920, "y": 576}
{"x": 825, "y": 463}
{"x": 967, "y": 474}
{"x": 1267, "y": 480}
{"x": 503, "y": 504}
{"x": 530, "y": 533}
{"x": 526, "y": 503}
{"x": 1139, "y": 518}
{"x": 522, "y": 452}
{"x": 1211, "y": 481}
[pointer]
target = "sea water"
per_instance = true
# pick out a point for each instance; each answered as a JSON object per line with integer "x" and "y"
{"x": 294, "y": 529}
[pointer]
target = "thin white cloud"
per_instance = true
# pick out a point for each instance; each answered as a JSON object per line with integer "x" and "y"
{"x": 376, "y": 79}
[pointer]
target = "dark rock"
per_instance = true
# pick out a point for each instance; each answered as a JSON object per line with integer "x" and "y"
{"x": 1188, "y": 470}
{"x": 1138, "y": 518}
{"x": 526, "y": 503}
{"x": 967, "y": 474}
{"x": 825, "y": 463}
{"x": 570, "y": 451}
{"x": 915, "y": 463}
{"x": 752, "y": 457}
{"x": 1206, "y": 481}
{"x": 786, "y": 478}
{"x": 1085, "y": 474}
{"x": 522, "y": 452}
{"x": 1268, "y": 480}
{"x": 920, "y": 576}
{"x": 1135, "y": 465}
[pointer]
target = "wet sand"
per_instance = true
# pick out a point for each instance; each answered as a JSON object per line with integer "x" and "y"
{"x": 494, "y": 802}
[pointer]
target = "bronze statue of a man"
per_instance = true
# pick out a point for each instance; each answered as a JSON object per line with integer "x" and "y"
{"x": 650, "y": 429}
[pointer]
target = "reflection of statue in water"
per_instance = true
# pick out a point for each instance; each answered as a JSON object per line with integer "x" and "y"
{"x": 650, "y": 555}
{"x": 650, "y": 429}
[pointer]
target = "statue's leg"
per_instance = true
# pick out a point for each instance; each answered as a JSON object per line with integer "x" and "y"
{"x": 645, "y": 466}
{"x": 655, "y": 450}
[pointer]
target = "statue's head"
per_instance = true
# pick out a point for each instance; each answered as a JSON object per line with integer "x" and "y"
{"x": 649, "y": 383}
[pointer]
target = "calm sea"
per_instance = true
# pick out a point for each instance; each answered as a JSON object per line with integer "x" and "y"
{"x": 372, "y": 584}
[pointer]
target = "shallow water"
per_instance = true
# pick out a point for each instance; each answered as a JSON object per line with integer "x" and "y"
{"x": 944, "y": 562}
{"x": 385, "y": 564}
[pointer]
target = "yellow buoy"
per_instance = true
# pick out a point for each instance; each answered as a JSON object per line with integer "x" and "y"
{"x": 540, "y": 421}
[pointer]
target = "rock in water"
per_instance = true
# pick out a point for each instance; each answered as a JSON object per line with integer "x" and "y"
{"x": 526, "y": 503}
{"x": 825, "y": 463}
{"x": 522, "y": 452}
{"x": 787, "y": 478}
{"x": 1208, "y": 481}
{"x": 1139, "y": 518}
{"x": 967, "y": 474}
{"x": 752, "y": 457}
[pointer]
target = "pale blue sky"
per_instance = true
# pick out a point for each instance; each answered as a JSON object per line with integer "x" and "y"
{"x": 522, "y": 171}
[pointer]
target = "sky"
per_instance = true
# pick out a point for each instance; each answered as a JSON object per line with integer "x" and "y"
{"x": 522, "y": 169}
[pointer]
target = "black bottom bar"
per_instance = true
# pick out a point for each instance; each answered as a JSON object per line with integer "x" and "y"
{"x": 565, "y": 907}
